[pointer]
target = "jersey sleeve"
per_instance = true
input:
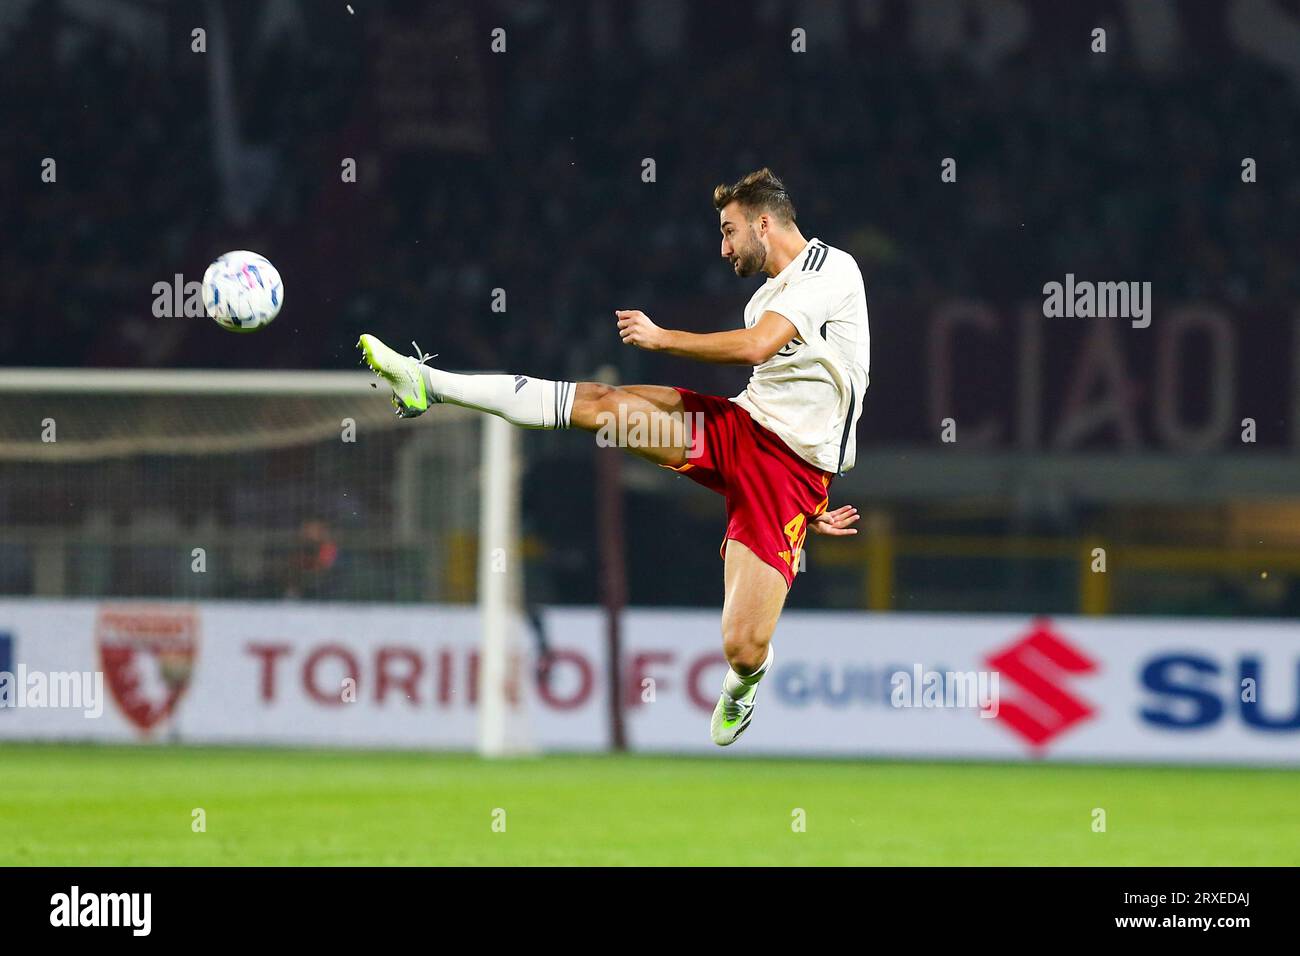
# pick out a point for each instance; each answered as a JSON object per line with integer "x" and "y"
{"x": 808, "y": 301}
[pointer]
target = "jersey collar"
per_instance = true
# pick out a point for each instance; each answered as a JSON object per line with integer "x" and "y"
{"x": 785, "y": 273}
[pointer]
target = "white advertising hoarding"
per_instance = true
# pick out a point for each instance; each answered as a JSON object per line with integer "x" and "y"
{"x": 1080, "y": 689}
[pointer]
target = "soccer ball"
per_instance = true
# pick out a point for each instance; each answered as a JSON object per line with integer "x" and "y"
{"x": 242, "y": 291}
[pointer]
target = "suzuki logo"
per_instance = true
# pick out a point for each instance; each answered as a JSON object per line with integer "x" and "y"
{"x": 1038, "y": 665}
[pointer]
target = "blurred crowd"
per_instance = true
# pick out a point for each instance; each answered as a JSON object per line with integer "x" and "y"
{"x": 525, "y": 173}
{"x": 503, "y": 203}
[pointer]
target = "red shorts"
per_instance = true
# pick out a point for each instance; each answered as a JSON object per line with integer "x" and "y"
{"x": 771, "y": 492}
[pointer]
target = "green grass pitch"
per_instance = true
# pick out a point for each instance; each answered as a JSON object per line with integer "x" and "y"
{"x": 75, "y": 805}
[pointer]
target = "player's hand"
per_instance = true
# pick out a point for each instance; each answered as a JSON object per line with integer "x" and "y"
{"x": 635, "y": 328}
{"x": 836, "y": 522}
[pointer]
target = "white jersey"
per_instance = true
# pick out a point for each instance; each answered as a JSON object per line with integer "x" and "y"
{"x": 810, "y": 393}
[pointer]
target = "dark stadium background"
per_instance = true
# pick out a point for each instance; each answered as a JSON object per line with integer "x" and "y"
{"x": 306, "y": 648}
{"x": 523, "y": 171}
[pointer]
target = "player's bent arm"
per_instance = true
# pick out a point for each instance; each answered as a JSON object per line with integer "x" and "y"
{"x": 752, "y": 346}
{"x": 733, "y": 347}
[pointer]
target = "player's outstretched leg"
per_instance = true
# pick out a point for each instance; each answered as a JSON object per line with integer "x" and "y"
{"x": 527, "y": 402}
{"x": 540, "y": 403}
{"x": 755, "y": 595}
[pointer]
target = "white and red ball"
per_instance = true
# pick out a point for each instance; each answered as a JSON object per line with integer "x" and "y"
{"x": 242, "y": 291}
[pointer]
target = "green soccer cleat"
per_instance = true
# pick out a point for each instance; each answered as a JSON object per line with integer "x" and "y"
{"x": 731, "y": 717}
{"x": 410, "y": 395}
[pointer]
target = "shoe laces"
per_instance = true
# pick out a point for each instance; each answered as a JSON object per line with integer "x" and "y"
{"x": 421, "y": 356}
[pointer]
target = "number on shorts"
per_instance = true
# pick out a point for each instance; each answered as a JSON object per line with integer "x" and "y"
{"x": 795, "y": 529}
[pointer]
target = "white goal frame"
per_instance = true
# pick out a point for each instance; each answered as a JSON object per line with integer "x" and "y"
{"x": 500, "y": 566}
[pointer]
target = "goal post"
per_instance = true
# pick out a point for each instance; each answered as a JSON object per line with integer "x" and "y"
{"x": 107, "y": 476}
{"x": 500, "y": 594}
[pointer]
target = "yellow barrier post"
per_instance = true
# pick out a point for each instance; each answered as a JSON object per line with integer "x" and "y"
{"x": 880, "y": 561}
{"x": 1094, "y": 577}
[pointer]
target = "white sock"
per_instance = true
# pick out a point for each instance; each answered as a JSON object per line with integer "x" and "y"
{"x": 526, "y": 402}
{"x": 735, "y": 686}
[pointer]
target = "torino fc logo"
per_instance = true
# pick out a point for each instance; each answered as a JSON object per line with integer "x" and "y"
{"x": 1038, "y": 665}
{"x": 147, "y": 654}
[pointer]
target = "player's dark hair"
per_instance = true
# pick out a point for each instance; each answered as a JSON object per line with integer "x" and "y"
{"x": 759, "y": 191}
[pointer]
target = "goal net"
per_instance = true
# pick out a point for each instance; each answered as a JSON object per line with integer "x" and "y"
{"x": 277, "y": 486}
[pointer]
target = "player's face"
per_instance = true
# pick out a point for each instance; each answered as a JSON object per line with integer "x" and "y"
{"x": 741, "y": 244}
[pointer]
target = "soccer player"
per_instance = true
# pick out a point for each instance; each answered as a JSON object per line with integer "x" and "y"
{"x": 771, "y": 451}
